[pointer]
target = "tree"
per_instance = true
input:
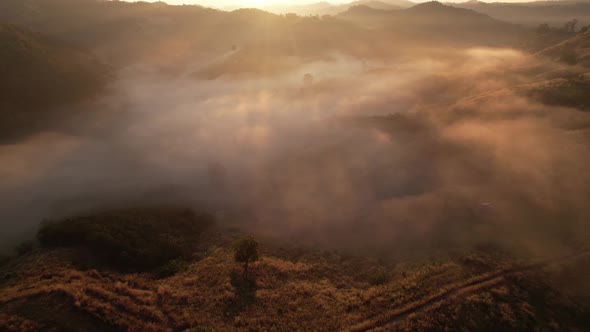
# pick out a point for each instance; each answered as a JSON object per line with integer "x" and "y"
{"x": 246, "y": 251}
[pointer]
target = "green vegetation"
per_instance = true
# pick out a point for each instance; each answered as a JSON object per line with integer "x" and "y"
{"x": 134, "y": 238}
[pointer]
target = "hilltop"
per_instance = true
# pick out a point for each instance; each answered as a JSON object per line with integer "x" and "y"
{"x": 296, "y": 287}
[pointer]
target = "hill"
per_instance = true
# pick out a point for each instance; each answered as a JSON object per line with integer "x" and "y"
{"x": 325, "y": 8}
{"x": 554, "y": 13}
{"x": 449, "y": 24}
{"x": 123, "y": 33}
{"x": 297, "y": 287}
{"x": 38, "y": 72}
{"x": 574, "y": 50}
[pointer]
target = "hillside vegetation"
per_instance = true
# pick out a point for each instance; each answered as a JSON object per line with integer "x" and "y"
{"x": 574, "y": 50}
{"x": 298, "y": 288}
{"x": 134, "y": 238}
{"x": 39, "y": 72}
{"x": 122, "y": 33}
{"x": 420, "y": 23}
{"x": 532, "y": 13}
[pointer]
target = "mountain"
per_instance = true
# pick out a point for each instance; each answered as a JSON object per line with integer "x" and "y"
{"x": 119, "y": 32}
{"x": 122, "y": 33}
{"x": 449, "y": 24}
{"x": 325, "y": 8}
{"x": 38, "y": 72}
{"x": 554, "y": 13}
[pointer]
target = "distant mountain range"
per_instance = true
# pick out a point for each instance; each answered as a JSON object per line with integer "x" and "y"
{"x": 121, "y": 33}
{"x": 68, "y": 66}
{"x": 554, "y": 13}
{"x": 66, "y": 62}
{"x": 533, "y": 13}
{"x": 326, "y": 8}
{"x": 449, "y": 24}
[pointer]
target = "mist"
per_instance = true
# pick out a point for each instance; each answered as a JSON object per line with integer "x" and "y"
{"x": 433, "y": 150}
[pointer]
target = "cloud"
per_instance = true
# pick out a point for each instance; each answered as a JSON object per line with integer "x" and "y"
{"x": 434, "y": 150}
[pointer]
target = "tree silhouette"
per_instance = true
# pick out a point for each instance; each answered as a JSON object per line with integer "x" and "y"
{"x": 246, "y": 251}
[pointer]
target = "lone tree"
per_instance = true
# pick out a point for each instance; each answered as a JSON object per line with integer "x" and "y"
{"x": 246, "y": 251}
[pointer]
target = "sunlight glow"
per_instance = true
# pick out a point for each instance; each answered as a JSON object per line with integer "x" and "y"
{"x": 253, "y": 3}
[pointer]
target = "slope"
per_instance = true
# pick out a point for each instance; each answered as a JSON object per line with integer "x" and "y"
{"x": 554, "y": 13}
{"x": 38, "y": 72}
{"x": 433, "y": 22}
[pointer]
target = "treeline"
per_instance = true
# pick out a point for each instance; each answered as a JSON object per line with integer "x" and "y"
{"x": 140, "y": 238}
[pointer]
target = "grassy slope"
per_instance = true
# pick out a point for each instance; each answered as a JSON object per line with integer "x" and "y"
{"x": 578, "y": 47}
{"x": 297, "y": 289}
{"x": 532, "y": 13}
{"x": 450, "y": 25}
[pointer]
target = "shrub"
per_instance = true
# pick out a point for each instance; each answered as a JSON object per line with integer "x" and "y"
{"x": 132, "y": 238}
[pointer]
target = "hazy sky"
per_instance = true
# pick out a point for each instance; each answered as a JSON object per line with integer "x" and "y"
{"x": 262, "y": 3}
{"x": 221, "y": 3}
{"x": 244, "y": 3}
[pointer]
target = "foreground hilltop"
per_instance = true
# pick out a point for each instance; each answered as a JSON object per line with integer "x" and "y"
{"x": 62, "y": 287}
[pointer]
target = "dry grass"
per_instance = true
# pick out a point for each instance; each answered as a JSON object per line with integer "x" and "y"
{"x": 317, "y": 291}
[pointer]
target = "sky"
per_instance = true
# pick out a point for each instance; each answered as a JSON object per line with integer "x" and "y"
{"x": 246, "y": 3}
{"x": 263, "y": 3}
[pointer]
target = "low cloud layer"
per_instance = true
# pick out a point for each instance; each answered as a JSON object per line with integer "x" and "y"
{"x": 429, "y": 151}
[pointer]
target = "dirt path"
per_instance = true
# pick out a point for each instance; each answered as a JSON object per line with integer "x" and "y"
{"x": 387, "y": 322}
